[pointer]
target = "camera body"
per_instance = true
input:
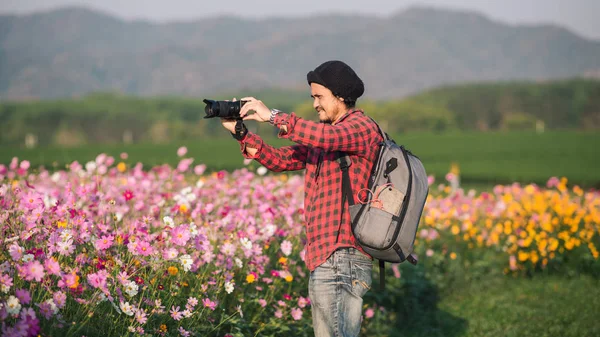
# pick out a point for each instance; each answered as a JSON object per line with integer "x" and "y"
{"x": 223, "y": 109}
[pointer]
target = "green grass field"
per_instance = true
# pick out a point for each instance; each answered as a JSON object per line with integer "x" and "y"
{"x": 483, "y": 158}
{"x": 541, "y": 306}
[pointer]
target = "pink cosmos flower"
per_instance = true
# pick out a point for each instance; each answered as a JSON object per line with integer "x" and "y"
{"x": 104, "y": 243}
{"x": 199, "y": 169}
{"x": 52, "y": 266}
{"x": 34, "y": 271}
{"x": 278, "y": 313}
{"x": 60, "y": 299}
{"x": 302, "y": 302}
{"x": 182, "y": 151}
{"x": 169, "y": 254}
{"x": 180, "y": 235}
{"x": 192, "y": 301}
{"x": 262, "y": 302}
{"x": 144, "y": 248}
{"x": 297, "y": 314}
{"x": 141, "y": 317}
{"x": 184, "y": 164}
{"x": 15, "y": 251}
{"x": 98, "y": 280}
{"x": 176, "y": 314}
{"x": 369, "y": 313}
{"x": 32, "y": 200}
{"x": 209, "y": 304}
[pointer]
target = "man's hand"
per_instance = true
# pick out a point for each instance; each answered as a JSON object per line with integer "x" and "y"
{"x": 229, "y": 124}
{"x": 261, "y": 112}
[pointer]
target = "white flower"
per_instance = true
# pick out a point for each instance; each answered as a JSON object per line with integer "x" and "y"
{"x": 90, "y": 166}
{"x": 186, "y": 262}
{"x": 66, "y": 235}
{"x": 13, "y": 306}
{"x": 239, "y": 263}
{"x": 27, "y": 258}
{"x": 246, "y": 243}
{"x": 270, "y": 230}
{"x": 200, "y": 183}
{"x": 131, "y": 328}
{"x": 55, "y": 177}
{"x": 193, "y": 230}
{"x": 127, "y": 308}
{"x": 168, "y": 221}
{"x": 286, "y": 247}
{"x": 131, "y": 288}
{"x": 229, "y": 287}
{"x": 261, "y": 171}
{"x": 52, "y": 305}
{"x": 187, "y": 313}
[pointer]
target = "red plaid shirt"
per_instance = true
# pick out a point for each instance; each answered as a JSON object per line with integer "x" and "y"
{"x": 327, "y": 227}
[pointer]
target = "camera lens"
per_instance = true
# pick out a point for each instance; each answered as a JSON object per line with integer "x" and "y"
{"x": 224, "y": 109}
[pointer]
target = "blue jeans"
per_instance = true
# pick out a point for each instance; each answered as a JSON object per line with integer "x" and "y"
{"x": 336, "y": 289}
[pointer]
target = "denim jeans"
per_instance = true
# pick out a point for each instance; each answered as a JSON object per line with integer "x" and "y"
{"x": 336, "y": 289}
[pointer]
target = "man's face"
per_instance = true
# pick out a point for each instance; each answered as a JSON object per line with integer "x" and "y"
{"x": 329, "y": 107}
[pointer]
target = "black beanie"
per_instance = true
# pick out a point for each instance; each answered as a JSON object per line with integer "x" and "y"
{"x": 338, "y": 77}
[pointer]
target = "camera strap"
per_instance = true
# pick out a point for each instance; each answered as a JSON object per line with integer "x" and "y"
{"x": 240, "y": 130}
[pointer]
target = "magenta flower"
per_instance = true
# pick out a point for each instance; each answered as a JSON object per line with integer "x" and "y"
{"x": 23, "y": 296}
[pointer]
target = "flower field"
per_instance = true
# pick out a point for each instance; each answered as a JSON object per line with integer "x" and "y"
{"x": 174, "y": 251}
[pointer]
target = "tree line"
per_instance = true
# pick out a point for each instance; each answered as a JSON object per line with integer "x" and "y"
{"x": 115, "y": 118}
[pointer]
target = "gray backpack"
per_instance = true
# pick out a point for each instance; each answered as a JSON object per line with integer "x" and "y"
{"x": 385, "y": 221}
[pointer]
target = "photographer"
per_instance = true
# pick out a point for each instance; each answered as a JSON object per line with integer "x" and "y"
{"x": 340, "y": 271}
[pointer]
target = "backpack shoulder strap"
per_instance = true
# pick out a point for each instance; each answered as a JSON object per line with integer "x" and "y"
{"x": 345, "y": 163}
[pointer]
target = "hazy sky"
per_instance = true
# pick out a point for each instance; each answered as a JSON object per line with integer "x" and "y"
{"x": 581, "y": 16}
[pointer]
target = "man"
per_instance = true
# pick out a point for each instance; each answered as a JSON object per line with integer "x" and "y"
{"x": 340, "y": 271}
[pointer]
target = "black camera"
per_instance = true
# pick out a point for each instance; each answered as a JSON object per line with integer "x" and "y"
{"x": 223, "y": 109}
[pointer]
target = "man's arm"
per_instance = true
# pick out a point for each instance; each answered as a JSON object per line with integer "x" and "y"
{"x": 287, "y": 158}
{"x": 348, "y": 137}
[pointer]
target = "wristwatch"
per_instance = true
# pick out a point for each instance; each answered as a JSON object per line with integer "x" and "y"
{"x": 274, "y": 113}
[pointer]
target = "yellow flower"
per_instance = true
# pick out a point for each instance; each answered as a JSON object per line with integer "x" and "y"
{"x": 283, "y": 260}
{"x": 183, "y": 208}
{"x": 61, "y": 224}
{"x": 453, "y": 256}
{"x": 163, "y": 327}
{"x": 455, "y": 230}
{"x": 289, "y": 278}
{"x": 172, "y": 270}
{"x": 121, "y": 167}
{"x": 523, "y": 256}
{"x": 250, "y": 278}
{"x": 119, "y": 239}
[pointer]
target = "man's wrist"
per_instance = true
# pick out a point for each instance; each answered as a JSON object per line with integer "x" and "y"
{"x": 274, "y": 113}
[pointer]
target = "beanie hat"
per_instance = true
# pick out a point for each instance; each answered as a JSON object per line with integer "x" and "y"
{"x": 338, "y": 77}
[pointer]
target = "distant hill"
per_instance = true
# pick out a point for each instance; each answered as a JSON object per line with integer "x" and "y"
{"x": 74, "y": 51}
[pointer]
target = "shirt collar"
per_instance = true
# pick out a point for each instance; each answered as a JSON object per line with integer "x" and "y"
{"x": 348, "y": 113}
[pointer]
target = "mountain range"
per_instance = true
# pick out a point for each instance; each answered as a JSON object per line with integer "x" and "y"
{"x": 73, "y": 51}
